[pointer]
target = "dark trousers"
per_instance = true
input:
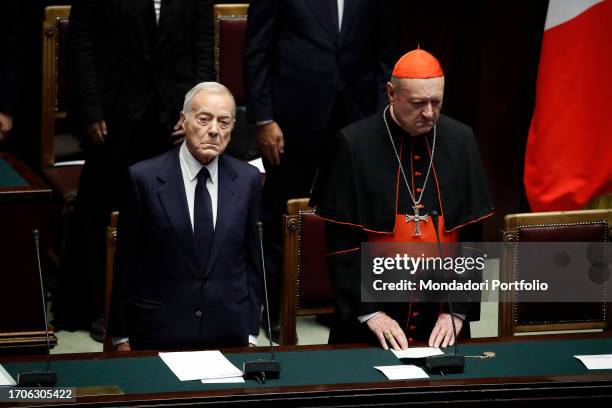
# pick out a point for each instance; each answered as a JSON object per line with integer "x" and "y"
{"x": 80, "y": 292}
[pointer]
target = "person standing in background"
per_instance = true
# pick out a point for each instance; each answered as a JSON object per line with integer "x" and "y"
{"x": 311, "y": 67}
{"x": 131, "y": 63}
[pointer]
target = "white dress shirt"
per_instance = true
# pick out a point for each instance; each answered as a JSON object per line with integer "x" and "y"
{"x": 340, "y": 13}
{"x": 157, "y": 7}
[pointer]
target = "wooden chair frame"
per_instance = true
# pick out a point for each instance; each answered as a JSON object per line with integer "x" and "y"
{"x": 603, "y": 201}
{"x": 290, "y": 302}
{"x": 508, "y": 325}
{"x": 49, "y": 110}
{"x": 111, "y": 244}
{"x": 225, "y": 11}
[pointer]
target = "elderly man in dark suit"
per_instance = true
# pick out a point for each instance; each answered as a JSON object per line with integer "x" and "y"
{"x": 131, "y": 63}
{"x": 187, "y": 272}
{"x": 311, "y": 67}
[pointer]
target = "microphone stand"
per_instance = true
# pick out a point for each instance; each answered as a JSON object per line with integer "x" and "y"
{"x": 37, "y": 378}
{"x": 445, "y": 363}
{"x": 260, "y": 370}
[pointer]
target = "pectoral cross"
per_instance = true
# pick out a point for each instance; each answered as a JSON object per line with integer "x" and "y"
{"x": 416, "y": 218}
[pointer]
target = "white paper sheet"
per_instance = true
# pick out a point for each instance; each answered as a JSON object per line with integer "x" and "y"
{"x": 69, "y": 163}
{"x": 224, "y": 380}
{"x": 402, "y": 372}
{"x": 258, "y": 162}
{"x": 596, "y": 361}
{"x": 417, "y": 352}
{"x": 200, "y": 365}
{"x": 5, "y": 377}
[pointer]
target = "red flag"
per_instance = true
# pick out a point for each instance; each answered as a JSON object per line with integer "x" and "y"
{"x": 569, "y": 150}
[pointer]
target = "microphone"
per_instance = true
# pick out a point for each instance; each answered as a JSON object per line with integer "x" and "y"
{"x": 445, "y": 363}
{"x": 261, "y": 370}
{"x": 37, "y": 378}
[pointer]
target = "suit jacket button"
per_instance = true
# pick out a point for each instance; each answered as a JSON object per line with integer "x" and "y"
{"x": 198, "y": 313}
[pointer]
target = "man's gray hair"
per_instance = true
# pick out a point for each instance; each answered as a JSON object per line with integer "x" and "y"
{"x": 213, "y": 87}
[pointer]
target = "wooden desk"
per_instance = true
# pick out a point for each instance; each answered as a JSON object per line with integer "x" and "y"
{"x": 24, "y": 206}
{"x": 525, "y": 369}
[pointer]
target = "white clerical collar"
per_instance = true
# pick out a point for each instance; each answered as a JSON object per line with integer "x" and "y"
{"x": 192, "y": 166}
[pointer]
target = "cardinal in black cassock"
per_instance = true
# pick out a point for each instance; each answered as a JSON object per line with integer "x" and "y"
{"x": 366, "y": 195}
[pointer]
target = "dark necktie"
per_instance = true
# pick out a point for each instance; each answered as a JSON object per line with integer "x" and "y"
{"x": 203, "y": 229}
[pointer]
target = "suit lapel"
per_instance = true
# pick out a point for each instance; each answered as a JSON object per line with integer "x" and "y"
{"x": 171, "y": 193}
{"x": 226, "y": 207}
{"x": 326, "y": 13}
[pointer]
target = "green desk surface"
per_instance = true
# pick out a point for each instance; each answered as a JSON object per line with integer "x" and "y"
{"x": 149, "y": 374}
{"x": 9, "y": 177}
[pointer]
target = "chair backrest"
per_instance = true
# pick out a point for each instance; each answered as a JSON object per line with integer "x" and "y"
{"x": 230, "y": 31}
{"x": 111, "y": 243}
{"x": 55, "y": 86}
{"x": 307, "y": 288}
{"x": 230, "y": 22}
{"x": 565, "y": 226}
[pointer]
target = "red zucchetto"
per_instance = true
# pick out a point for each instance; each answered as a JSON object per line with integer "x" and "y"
{"x": 417, "y": 64}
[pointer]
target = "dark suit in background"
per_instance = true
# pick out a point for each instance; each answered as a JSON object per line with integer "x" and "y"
{"x": 162, "y": 299}
{"x": 131, "y": 72}
{"x": 311, "y": 78}
{"x": 123, "y": 62}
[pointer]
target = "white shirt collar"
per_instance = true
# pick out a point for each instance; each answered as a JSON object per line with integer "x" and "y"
{"x": 192, "y": 166}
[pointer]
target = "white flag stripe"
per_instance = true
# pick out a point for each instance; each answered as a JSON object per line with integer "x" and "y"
{"x": 560, "y": 11}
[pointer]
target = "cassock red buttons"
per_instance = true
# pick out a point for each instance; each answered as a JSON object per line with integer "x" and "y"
{"x": 418, "y": 173}
{"x": 418, "y": 190}
{"x": 414, "y": 314}
{"x": 416, "y": 157}
{"x": 421, "y": 205}
{"x": 412, "y": 327}
{"x": 410, "y": 340}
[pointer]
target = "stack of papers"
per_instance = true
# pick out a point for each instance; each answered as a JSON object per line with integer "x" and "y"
{"x": 209, "y": 366}
{"x": 409, "y": 372}
{"x": 596, "y": 361}
{"x": 5, "y": 377}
